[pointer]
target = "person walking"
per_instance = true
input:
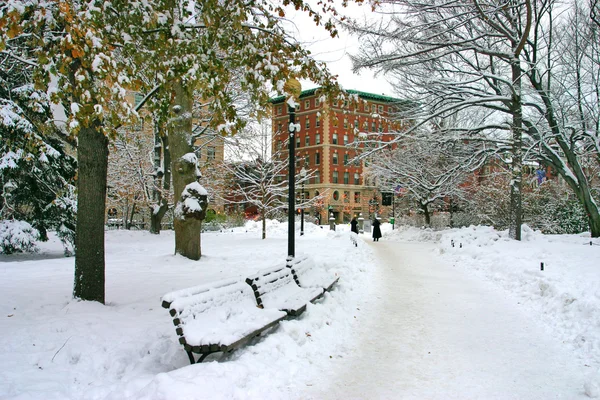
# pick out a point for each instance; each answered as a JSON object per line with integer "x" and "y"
{"x": 376, "y": 230}
{"x": 354, "y": 225}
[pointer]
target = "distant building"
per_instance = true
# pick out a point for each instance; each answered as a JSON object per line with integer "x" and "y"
{"x": 323, "y": 146}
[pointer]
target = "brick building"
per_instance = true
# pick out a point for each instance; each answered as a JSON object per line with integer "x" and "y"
{"x": 323, "y": 145}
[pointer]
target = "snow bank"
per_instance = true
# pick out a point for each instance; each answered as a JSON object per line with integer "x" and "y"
{"x": 565, "y": 295}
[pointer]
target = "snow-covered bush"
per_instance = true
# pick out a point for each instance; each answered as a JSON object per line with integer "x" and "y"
{"x": 17, "y": 237}
{"x": 554, "y": 209}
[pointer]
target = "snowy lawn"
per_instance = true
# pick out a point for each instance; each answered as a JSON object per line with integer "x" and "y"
{"x": 53, "y": 347}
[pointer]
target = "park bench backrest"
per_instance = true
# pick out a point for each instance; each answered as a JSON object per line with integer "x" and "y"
{"x": 307, "y": 274}
{"x": 270, "y": 280}
{"x": 187, "y": 305}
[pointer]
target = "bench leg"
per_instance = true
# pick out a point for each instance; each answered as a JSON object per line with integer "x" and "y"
{"x": 191, "y": 357}
{"x": 203, "y": 356}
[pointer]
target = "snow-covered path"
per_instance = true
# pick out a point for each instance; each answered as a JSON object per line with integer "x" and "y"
{"x": 433, "y": 332}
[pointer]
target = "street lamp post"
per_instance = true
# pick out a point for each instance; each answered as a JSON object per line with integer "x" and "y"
{"x": 293, "y": 89}
{"x": 303, "y": 175}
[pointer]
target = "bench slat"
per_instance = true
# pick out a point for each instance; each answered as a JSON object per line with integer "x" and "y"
{"x": 308, "y": 275}
{"x": 276, "y": 288}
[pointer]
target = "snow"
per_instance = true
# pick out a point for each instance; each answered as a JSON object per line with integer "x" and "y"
{"x": 190, "y": 158}
{"x": 461, "y": 304}
{"x": 194, "y": 187}
{"x": 17, "y": 236}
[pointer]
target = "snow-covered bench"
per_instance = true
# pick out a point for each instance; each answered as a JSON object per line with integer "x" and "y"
{"x": 277, "y": 288}
{"x": 218, "y": 317}
{"x": 308, "y": 275}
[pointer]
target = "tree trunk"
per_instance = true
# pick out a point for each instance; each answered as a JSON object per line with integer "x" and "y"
{"x": 157, "y": 217}
{"x": 516, "y": 210}
{"x": 187, "y": 230}
{"x": 130, "y": 218}
{"x": 264, "y": 226}
{"x": 92, "y": 157}
{"x": 426, "y": 214}
{"x": 161, "y": 153}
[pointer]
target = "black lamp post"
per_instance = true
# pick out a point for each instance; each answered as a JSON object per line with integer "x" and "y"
{"x": 293, "y": 88}
{"x": 303, "y": 175}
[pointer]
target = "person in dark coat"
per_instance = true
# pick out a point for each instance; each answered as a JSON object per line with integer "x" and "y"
{"x": 376, "y": 230}
{"x": 354, "y": 225}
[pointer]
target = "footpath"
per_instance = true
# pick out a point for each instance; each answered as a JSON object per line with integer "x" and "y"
{"x": 433, "y": 332}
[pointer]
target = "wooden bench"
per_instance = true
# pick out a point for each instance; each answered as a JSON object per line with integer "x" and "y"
{"x": 218, "y": 317}
{"x": 277, "y": 288}
{"x": 308, "y": 275}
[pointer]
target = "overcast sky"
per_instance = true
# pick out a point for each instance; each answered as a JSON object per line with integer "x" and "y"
{"x": 335, "y": 52}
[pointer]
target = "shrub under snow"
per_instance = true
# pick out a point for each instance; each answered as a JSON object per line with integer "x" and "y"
{"x": 17, "y": 237}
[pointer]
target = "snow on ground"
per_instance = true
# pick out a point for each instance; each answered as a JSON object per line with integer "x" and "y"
{"x": 53, "y": 347}
{"x": 565, "y": 296}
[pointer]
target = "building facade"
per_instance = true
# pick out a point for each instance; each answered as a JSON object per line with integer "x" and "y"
{"x": 327, "y": 145}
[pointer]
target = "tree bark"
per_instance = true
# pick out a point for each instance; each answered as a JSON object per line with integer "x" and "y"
{"x": 187, "y": 230}
{"x": 92, "y": 157}
{"x": 156, "y": 218}
{"x": 264, "y": 226}
{"x": 163, "y": 153}
{"x": 426, "y": 214}
{"x": 516, "y": 209}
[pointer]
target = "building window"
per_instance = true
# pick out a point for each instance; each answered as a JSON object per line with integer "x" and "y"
{"x": 345, "y": 123}
{"x": 298, "y": 142}
{"x": 307, "y": 104}
{"x": 318, "y": 123}
{"x": 210, "y": 152}
{"x": 373, "y": 108}
{"x": 279, "y": 110}
{"x": 346, "y": 103}
{"x": 356, "y": 124}
{"x": 366, "y": 106}
{"x": 380, "y": 128}
{"x": 335, "y": 103}
{"x": 366, "y": 126}
{"x": 357, "y": 197}
{"x": 356, "y": 179}
{"x": 335, "y": 121}
{"x": 346, "y": 196}
{"x": 279, "y": 127}
{"x": 334, "y": 139}
{"x": 345, "y": 139}
{"x": 373, "y": 126}
{"x": 346, "y": 159}
{"x": 335, "y": 177}
{"x": 307, "y": 140}
{"x": 317, "y": 102}
{"x": 307, "y": 123}
{"x": 317, "y": 177}
{"x": 335, "y": 158}
{"x": 336, "y": 195}
{"x": 318, "y": 138}
{"x": 317, "y": 158}
{"x": 380, "y": 109}
{"x": 306, "y": 160}
{"x": 347, "y": 179}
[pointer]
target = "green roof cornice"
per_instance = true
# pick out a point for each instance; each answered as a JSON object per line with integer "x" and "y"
{"x": 362, "y": 95}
